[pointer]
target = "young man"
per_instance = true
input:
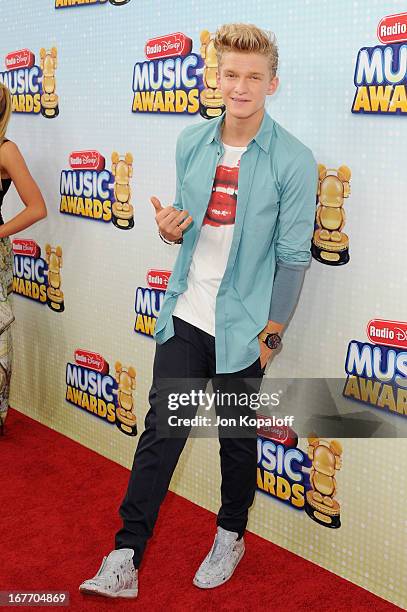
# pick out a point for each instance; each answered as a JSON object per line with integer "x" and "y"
{"x": 244, "y": 216}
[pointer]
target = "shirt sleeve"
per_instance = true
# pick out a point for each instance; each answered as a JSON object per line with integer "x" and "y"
{"x": 296, "y": 222}
{"x": 286, "y": 289}
{"x": 179, "y": 164}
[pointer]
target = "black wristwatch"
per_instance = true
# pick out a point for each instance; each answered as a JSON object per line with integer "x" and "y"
{"x": 271, "y": 340}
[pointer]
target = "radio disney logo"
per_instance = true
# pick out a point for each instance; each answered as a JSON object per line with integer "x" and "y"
{"x": 92, "y": 160}
{"x": 390, "y": 333}
{"x": 167, "y": 46}
{"x": 158, "y": 279}
{"x": 26, "y": 247}
{"x": 32, "y": 87}
{"x": 37, "y": 278}
{"x": 23, "y": 79}
{"x": 90, "y": 386}
{"x": 392, "y": 29}
{"x": 29, "y": 270}
{"x": 20, "y": 59}
{"x": 91, "y": 360}
{"x": 381, "y": 71}
{"x": 377, "y": 373}
{"x": 283, "y": 434}
{"x": 149, "y": 301}
{"x": 280, "y": 464}
{"x": 170, "y": 79}
{"x": 89, "y": 190}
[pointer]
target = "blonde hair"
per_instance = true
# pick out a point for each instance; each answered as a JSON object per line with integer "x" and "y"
{"x": 5, "y": 110}
{"x": 246, "y": 37}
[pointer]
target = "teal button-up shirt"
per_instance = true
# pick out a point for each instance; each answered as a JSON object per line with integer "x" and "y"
{"x": 274, "y": 223}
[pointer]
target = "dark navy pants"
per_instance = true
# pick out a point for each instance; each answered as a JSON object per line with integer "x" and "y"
{"x": 186, "y": 361}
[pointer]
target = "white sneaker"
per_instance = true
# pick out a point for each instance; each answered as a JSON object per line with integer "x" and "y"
{"x": 221, "y": 561}
{"x": 117, "y": 576}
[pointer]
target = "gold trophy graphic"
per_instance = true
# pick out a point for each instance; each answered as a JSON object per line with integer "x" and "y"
{"x": 55, "y": 295}
{"x": 320, "y": 504}
{"x": 329, "y": 244}
{"x": 49, "y": 99}
{"x": 210, "y": 99}
{"x": 122, "y": 210}
{"x": 126, "y": 419}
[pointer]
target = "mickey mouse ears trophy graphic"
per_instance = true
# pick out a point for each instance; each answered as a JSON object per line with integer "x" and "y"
{"x": 210, "y": 100}
{"x": 320, "y": 504}
{"x": 122, "y": 210}
{"x": 126, "y": 419}
{"x": 49, "y": 99}
{"x": 55, "y": 295}
{"x": 329, "y": 244}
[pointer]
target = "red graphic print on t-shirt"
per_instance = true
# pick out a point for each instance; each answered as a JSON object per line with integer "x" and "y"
{"x": 222, "y": 205}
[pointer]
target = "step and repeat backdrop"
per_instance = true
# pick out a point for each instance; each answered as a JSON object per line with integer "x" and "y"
{"x": 101, "y": 89}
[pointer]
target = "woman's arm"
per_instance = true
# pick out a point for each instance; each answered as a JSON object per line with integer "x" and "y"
{"x": 35, "y": 209}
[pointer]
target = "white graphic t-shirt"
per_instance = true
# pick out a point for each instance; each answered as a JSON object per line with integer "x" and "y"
{"x": 197, "y": 304}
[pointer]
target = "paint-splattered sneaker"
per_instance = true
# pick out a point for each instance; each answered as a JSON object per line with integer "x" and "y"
{"x": 117, "y": 576}
{"x": 221, "y": 561}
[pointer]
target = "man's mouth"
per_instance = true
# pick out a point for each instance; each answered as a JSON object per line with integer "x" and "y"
{"x": 240, "y": 100}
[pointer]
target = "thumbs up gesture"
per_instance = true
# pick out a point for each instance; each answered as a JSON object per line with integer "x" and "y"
{"x": 171, "y": 222}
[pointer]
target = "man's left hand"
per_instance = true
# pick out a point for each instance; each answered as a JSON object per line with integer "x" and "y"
{"x": 272, "y": 327}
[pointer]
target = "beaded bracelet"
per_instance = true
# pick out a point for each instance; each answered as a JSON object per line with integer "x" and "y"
{"x": 179, "y": 241}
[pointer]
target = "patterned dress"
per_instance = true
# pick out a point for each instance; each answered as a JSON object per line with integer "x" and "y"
{"x": 6, "y": 285}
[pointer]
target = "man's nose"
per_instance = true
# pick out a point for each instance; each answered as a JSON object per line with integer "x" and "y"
{"x": 240, "y": 86}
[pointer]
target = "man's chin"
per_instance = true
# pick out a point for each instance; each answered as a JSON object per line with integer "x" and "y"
{"x": 240, "y": 113}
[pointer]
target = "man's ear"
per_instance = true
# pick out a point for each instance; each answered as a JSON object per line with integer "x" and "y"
{"x": 274, "y": 83}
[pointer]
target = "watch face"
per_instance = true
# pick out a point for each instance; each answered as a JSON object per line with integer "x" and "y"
{"x": 273, "y": 340}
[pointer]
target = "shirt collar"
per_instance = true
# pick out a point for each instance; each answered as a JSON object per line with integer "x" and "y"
{"x": 262, "y": 138}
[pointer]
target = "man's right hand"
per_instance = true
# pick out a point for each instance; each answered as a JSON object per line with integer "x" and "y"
{"x": 171, "y": 221}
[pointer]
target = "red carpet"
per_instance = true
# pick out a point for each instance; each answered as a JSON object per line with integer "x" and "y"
{"x": 58, "y": 509}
